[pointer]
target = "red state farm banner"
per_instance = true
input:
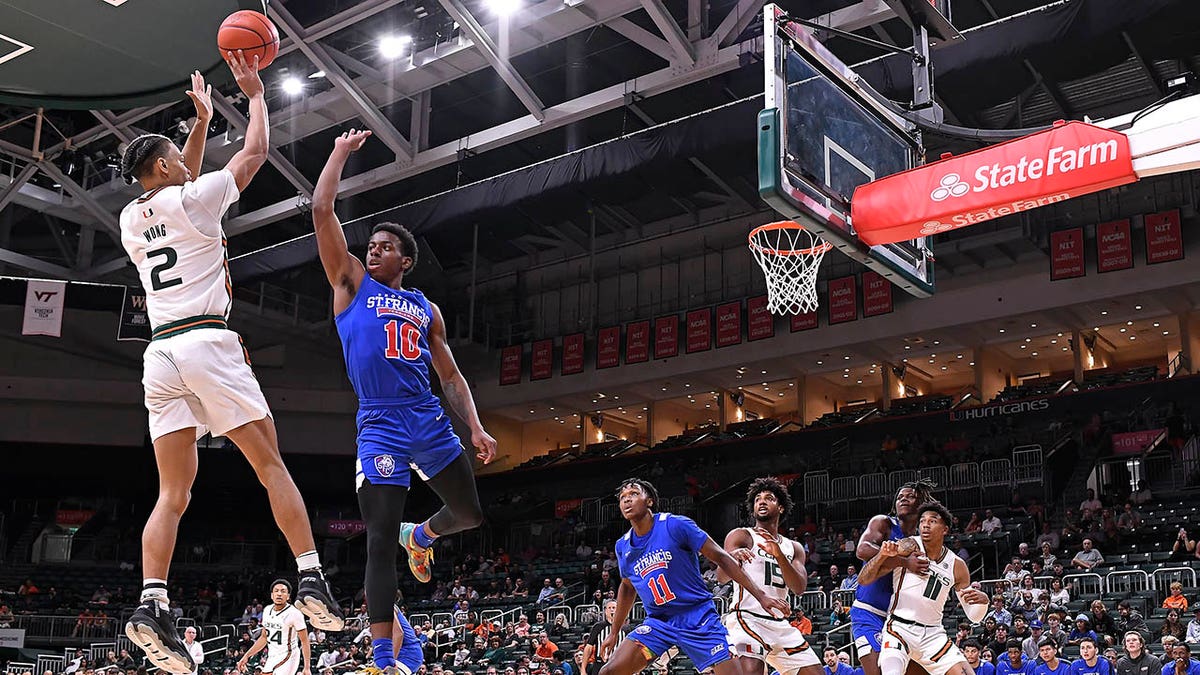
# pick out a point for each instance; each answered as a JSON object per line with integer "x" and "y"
{"x": 699, "y": 330}
{"x": 572, "y": 354}
{"x": 1114, "y": 250}
{"x": 1164, "y": 237}
{"x": 564, "y": 507}
{"x": 637, "y": 342}
{"x": 608, "y": 348}
{"x": 729, "y": 324}
{"x": 1048, "y": 167}
{"x": 73, "y": 517}
{"x": 805, "y": 321}
{"x": 877, "y": 294}
{"x": 541, "y": 363}
{"x": 666, "y": 336}
{"x": 510, "y": 365}
{"x": 1066, "y": 254}
{"x": 1134, "y": 442}
{"x": 843, "y": 300}
{"x": 760, "y": 323}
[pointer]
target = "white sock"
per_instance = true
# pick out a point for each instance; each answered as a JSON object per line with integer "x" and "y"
{"x": 308, "y": 561}
{"x": 155, "y": 589}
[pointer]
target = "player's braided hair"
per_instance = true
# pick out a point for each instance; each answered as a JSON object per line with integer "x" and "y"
{"x": 140, "y": 152}
{"x": 923, "y": 487}
{"x": 408, "y": 243}
{"x": 772, "y": 485}
{"x": 646, "y": 487}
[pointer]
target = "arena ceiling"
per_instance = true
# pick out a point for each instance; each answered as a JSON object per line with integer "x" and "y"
{"x": 462, "y": 92}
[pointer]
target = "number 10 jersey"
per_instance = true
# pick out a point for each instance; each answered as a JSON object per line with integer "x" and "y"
{"x": 385, "y": 340}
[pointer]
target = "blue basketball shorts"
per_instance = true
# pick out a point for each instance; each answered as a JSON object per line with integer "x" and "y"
{"x": 394, "y": 437}
{"x": 409, "y": 656}
{"x": 699, "y": 634}
{"x": 866, "y": 628}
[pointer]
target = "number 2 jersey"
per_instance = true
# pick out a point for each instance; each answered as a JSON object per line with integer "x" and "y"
{"x": 385, "y": 339}
{"x": 173, "y": 236}
{"x": 664, "y": 566}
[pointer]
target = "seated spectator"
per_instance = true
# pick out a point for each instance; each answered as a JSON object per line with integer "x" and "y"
{"x": 833, "y": 666}
{"x": 990, "y": 523}
{"x": 1015, "y": 570}
{"x": 973, "y": 653}
{"x": 1129, "y": 619}
{"x": 1024, "y": 609}
{"x": 1030, "y": 646}
{"x": 831, "y": 580}
{"x": 1048, "y": 536}
{"x": 1014, "y": 662}
{"x": 462, "y": 656}
{"x": 1082, "y": 631}
{"x": 1142, "y": 494}
{"x": 1193, "y": 629}
{"x": 1091, "y": 503}
{"x": 1020, "y": 628}
{"x": 1087, "y": 558}
{"x": 522, "y": 629}
{"x": 1182, "y": 662}
{"x": 999, "y": 643}
{"x": 1058, "y": 594}
{"x": 1028, "y": 587}
{"x": 1047, "y": 555}
{"x": 1137, "y": 661}
{"x": 545, "y": 649}
{"x": 838, "y": 615}
{"x": 1130, "y": 520}
{"x": 1176, "y": 599}
{"x": 560, "y": 627}
{"x": 1050, "y": 663}
{"x": 1023, "y": 553}
{"x": 6, "y": 616}
{"x": 1172, "y": 627}
{"x": 1054, "y": 630}
{"x": 850, "y": 582}
{"x": 1103, "y": 623}
{"x": 1184, "y": 546}
{"x": 1089, "y": 662}
{"x": 801, "y": 622}
{"x": 974, "y": 525}
{"x": 1002, "y": 616}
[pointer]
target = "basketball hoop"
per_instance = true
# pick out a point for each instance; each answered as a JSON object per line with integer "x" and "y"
{"x": 789, "y": 256}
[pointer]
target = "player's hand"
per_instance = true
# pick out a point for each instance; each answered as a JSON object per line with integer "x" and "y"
{"x": 776, "y": 607}
{"x": 307, "y": 670}
{"x": 246, "y": 73}
{"x": 889, "y": 549}
{"x": 609, "y": 644}
{"x": 241, "y": 666}
{"x": 906, "y": 547}
{"x": 485, "y": 444}
{"x": 201, "y": 96}
{"x": 917, "y": 563}
{"x": 351, "y": 140}
{"x": 771, "y": 545}
{"x": 742, "y": 555}
{"x": 973, "y": 596}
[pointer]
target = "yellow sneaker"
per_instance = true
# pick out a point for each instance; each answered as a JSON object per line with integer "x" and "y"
{"x": 420, "y": 560}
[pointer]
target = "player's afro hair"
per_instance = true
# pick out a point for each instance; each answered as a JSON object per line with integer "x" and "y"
{"x": 644, "y": 485}
{"x": 922, "y": 486}
{"x": 772, "y": 485}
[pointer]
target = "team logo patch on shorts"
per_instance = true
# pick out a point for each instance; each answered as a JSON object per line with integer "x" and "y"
{"x": 642, "y": 629}
{"x": 385, "y": 465}
{"x": 716, "y": 650}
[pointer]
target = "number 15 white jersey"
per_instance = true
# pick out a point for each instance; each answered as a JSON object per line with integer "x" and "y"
{"x": 173, "y": 236}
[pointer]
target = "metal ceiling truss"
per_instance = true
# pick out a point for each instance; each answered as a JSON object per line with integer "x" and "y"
{"x": 238, "y": 122}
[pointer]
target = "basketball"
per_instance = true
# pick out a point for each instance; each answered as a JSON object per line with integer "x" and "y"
{"x": 251, "y": 32}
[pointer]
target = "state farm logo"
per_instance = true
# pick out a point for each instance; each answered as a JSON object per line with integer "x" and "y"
{"x": 936, "y": 226}
{"x": 951, "y": 185}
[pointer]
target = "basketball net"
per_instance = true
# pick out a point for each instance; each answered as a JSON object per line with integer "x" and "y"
{"x": 789, "y": 256}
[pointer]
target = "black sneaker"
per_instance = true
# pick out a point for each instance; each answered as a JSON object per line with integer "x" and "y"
{"x": 152, "y": 629}
{"x": 315, "y": 599}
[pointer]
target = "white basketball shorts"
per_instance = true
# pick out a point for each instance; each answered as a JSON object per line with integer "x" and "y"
{"x": 929, "y": 646}
{"x": 775, "y": 641}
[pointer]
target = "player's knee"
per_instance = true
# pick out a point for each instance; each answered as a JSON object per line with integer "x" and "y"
{"x": 175, "y": 502}
{"x": 469, "y": 517}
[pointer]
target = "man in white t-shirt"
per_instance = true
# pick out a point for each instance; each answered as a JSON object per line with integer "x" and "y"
{"x": 195, "y": 649}
{"x": 196, "y": 372}
{"x": 990, "y": 523}
{"x": 1091, "y": 503}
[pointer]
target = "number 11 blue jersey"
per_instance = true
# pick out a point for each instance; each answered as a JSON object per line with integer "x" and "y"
{"x": 664, "y": 565}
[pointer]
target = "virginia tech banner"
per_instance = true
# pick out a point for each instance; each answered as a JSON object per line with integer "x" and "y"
{"x": 44, "y": 307}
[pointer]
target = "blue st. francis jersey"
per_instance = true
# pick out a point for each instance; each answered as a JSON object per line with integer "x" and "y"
{"x": 385, "y": 339}
{"x": 664, "y": 565}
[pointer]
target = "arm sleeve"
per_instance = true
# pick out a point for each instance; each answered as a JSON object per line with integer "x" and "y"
{"x": 975, "y": 613}
{"x": 206, "y": 199}
{"x": 686, "y": 532}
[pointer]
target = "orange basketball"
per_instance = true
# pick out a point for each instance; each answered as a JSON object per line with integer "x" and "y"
{"x": 251, "y": 32}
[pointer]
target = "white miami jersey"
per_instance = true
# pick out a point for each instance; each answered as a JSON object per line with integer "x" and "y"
{"x": 283, "y": 634}
{"x": 173, "y": 236}
{"x": 765, "y": 571}
{"x": 922, "y": 599}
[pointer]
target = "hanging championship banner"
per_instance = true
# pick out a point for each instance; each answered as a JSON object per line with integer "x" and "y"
{"x": 1114, "y": 250}
{"x": 572, "y": 354}
{"x": 699, "y": 330}
{"x": 805, "y": 321}
{"x": 608, "y": 348}
{"x": 843, "y": 300}
{"x": 510, "y": 365}
{"x": 1066, "y": 254}
{"x": 729, "y": 324}
{"x": 135, "y": 323}
{"x": 1164, "y": 237}
{"x": 541, "y": 362}
{"x": 44, "y": 307}
{"x": 877, "y": 294}
{"x": 760, "y": 323}
{"x": 637, "y": 342}
{"x": 666, "y": 336}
